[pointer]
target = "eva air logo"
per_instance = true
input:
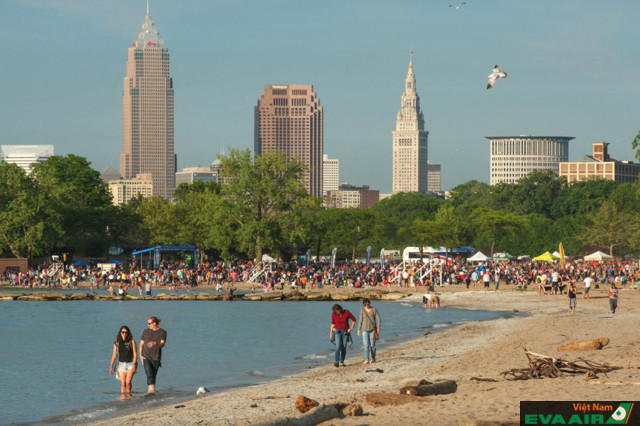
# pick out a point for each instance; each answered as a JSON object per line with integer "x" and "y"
{"x": 621, "y": 415}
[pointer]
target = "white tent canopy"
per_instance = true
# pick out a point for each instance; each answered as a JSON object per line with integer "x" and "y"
{"x": 478, "y": 257}
{"x": 268, "y": 259}
{"x": 599, "y": 256}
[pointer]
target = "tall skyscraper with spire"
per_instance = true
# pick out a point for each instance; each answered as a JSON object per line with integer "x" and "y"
{"x": 148, "y": 112}
{"x": 410, "y": 152}
{"x": 288, "y": 119}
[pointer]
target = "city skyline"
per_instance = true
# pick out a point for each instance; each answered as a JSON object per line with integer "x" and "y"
{"x": 571, "y": 70}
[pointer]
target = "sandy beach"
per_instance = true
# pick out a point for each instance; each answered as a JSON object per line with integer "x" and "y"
{"x": 481, "y": 349}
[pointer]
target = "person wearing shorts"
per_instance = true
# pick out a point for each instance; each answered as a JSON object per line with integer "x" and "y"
{"x": 572, "y": 293}
{"x": 124, "y": 348}
{"x": 588, "y": 282}
{"x": 151, "y": 343}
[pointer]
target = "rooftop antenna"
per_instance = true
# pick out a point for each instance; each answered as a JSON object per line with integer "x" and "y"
{"x": 147, "y": 7}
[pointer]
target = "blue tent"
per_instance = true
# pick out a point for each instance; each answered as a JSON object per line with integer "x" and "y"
{"x": 79, "y": 263}
{"x": 114, "y": 262}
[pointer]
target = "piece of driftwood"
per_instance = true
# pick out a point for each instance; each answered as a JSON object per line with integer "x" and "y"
{"x": 448, "y": 386}
{"x": 353, "y": 410}
{"x": 541, "y": 366}
{"x": 256, "y": 398}
{"x": 615, "y": 383}
{"x": 482, "y": 379}
{"x": 383, "y": 399}
{"x": 320, "y": 414}
{"x": 585, "y": 345}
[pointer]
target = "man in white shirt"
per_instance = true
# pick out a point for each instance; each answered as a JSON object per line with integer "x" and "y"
{"x": 587, "y": 286}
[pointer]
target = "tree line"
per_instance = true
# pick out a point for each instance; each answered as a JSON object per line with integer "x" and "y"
{"x": 263, "y": 207}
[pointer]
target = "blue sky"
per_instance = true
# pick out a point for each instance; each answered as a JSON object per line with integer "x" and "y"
{"x": 573, "y": 70}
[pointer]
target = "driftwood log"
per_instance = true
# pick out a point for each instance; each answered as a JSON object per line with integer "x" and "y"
{"x": 541, "y": 366}
{"x": 585, "y": 345}
{"x": 434, "y": 389}
{"x": 316, "y": 416}
{"x": 383, "y": 399}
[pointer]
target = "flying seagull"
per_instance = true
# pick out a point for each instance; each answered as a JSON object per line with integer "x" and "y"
{"x": 201, "y": 391}
{"x": 457, "y": 6}
{"x": 495, "y": 75}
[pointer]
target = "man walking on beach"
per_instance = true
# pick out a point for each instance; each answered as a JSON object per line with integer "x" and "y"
{"x": 572, "y": 293}
{"x": 587, "y": 286}
{"x": 151, "y": 344}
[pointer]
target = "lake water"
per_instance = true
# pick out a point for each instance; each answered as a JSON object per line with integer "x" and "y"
{"x": 55, "y": 355}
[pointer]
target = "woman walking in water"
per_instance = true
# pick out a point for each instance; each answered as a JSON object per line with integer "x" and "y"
{"x": 125, "y": 348}
{"x": 340, "y": 326}
{"x": 370, "y": 327}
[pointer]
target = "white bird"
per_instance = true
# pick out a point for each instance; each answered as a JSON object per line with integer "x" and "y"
{"x": 201, "y": 391}
{"x": 495, "y": 75}
{"x": 457, "y": 6}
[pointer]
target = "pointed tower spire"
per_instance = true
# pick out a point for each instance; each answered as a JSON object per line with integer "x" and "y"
{"x": 147, "y": 7}
{"x": 411, "y": 60}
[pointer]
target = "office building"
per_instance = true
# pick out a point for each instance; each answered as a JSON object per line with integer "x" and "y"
{"x": 410, "y": 140}
{"x": 148, "y": 112}
{"x": 350, "y": 196}
{"x": 109, "y": 174}
{"x": 25, "y": 155}
{"x": 434, "y": 177}
{"x": 194, "y": 174}
{"x": 514, "y": 157}
{"x": 600, "y": 165}
{"x": 288, "y": 120}
{"x": 330, "y": 174}
{"x": 123, "y": 190}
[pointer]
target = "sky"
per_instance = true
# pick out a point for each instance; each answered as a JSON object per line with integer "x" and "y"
{"x": 572, "y": 66}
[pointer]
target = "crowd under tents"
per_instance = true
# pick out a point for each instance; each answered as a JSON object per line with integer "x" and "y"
{"x": 598, "y": 256}
{"x": 546, "y": 257}
{"x": 502, "y": 257}
{"x": 478, "y": 257}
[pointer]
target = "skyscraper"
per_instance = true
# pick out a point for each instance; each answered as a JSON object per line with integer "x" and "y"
{"x": 410, "y": 153}
{"x": 147, "y": 112}
{"x": 330, "y": 174}
{"x": 288, "y": 119}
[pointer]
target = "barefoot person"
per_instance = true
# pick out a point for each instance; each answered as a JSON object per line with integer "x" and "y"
{"x": 572, "y": 295}
{"x": 124, "y": 348}
{"x": 369, "y": 325}
{"x": 151, "y": 344}
{"x": 341, "y": 328}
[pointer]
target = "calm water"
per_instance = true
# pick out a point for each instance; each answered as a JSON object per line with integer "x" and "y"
{"x": 55, "y": 355}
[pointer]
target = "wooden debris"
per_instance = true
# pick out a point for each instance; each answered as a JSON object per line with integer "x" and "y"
{"x": 304, "y": 404}
{"x": 269, "y": 397}
{"x": 316, "y": 416}
{"x": 383, "y": 399}
{"x": 446, "y": 387}
{"x": 482, "y": 379}
{"x": 541, "y": 366}
{"x": 353, "y": 410}
{"x": 585, "y": 345}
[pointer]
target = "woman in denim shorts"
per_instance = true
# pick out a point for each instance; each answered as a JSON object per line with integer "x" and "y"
{"x": 125, "y": 349}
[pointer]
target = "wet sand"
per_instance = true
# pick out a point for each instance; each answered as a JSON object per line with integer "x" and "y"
{"x": 482, "y": 349}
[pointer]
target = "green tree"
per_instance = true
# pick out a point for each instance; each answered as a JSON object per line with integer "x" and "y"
{"x": 489, "y": 225}
{"x": 351, "y": 228}
{"x": 81, "y": 200}
{"x": 610, "y": 227}
{"x": 29, "y": 225}
{"x": 446, "y": 229}
{"x": 260, "y": 200}
{"x": 158, "y": 222}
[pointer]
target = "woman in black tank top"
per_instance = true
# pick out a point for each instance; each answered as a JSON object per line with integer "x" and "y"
{"x": 125, "y": 349}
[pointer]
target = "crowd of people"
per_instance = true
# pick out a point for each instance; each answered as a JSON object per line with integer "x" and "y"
{"x": 547, "y": 278}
